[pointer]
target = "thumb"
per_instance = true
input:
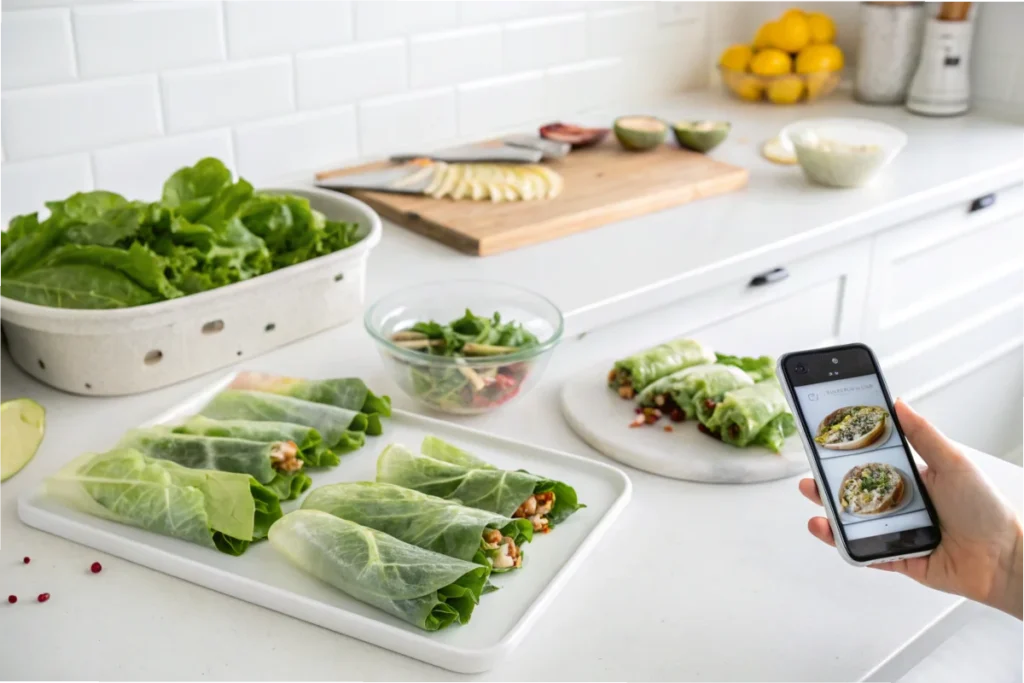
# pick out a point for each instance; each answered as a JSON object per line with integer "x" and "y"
{"x": 934, "y": 448}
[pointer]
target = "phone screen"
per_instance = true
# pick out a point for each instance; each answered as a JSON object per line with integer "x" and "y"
{"x": 869, "y": 476}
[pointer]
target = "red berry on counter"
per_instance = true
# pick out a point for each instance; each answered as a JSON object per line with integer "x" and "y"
{"x": 43, "y": 597}
{"x": 12, "y": 599}
{"x": 26, "y": 559}
{"x": 96, "y": 568}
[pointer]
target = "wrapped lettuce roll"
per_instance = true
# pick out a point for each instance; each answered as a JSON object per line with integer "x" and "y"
{"x": 312, "y": 449}
{"x": 426, "y": 589}
{"x": 633, "y": 374}
{"x": 219, "y": 510}
{"x": 333, "y": 423}
{"x": 759, "y": 369}
{"x": 350, "y": 393}
{"x": 445, "y": 471}
{"x": 275, "y": 464}
{"x": 675, "y": 395}
{"x": 427, "y": 521}
{"x": 742, "y": 414}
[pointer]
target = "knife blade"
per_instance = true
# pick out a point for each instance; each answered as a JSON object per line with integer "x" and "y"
{"x": 470, "y": 154}
{"x": 551, "y": 149}
{"x": 402, "y": 180}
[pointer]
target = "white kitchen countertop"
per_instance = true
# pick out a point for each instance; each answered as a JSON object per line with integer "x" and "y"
{"x": 692, "y": 582}
{"x": 778, "y": 218}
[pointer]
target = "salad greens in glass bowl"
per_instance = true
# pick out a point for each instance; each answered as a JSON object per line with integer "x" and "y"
{"x": 465, "y": 346}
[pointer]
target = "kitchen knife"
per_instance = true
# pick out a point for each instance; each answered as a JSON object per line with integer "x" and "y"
{"x": 471, "y": 154}
{"x": 401, "y": 180}
{"x": 551, "y": 149}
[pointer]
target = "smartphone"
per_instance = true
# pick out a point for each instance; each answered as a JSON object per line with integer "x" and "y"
{"x": 871, "y": 489}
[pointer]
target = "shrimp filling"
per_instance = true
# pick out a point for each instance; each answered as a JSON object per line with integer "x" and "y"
{"x": 508, "y": 554}
{"x": 535, "y": 508}
{"x": 284, "y": 456}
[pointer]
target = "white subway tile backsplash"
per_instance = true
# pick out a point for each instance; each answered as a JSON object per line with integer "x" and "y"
{"x": 224, "y": 94}
{"x": 351, "y": 73}
{"x": 455, "y": 56}
{"x": 412, "y": 122}
{"x": 620, "y": 31}
{"x": 36, "y": 47}
{"x": 500, "y": 103}
{"x": 25, "y": 185}
{"x": 549, "y": 41}
{"x": 299, "y": 142}
{"x": 143, "y": 37}
{"x": 386, "y": 19}
{"x": 257, "y": 29}
{"x": 138, "y": 171}
{"x": 583, "y": 86}
{"x": 68, "y": 118}
{"x": 122, "y": 93}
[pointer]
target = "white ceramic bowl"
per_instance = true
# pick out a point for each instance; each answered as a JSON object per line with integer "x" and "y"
{"x": 842, "y": 152}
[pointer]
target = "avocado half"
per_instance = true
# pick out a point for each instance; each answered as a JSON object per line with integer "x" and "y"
{"x": 639, "y": 133}
{"x": 701, "y": 136}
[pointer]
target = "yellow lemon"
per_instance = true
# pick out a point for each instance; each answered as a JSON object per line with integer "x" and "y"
{"x": 814, "y": 58}
{"x": 736, "y": 57}
{"x": 786, "y": 90}
{"x": 823, "y": 31}
{"x": 763, "y": 38}
{"x": 771, "y": 62}
{"x": 746, "y": 86}
{"x": 791, "y": 32}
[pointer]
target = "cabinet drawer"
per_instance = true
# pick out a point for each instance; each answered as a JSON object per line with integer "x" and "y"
{"x": 933, "y": 272}
{"x": 818, "y": 303}
{"x": 916, "y": 371}
{"x": 984, "y": 407}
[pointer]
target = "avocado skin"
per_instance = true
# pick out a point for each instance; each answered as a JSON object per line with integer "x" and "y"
{"x": 638, "y": 140}
{"x": 702, "y": 141}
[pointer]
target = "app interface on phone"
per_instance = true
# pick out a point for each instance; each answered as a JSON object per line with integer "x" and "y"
{"x": 866, "y": 469}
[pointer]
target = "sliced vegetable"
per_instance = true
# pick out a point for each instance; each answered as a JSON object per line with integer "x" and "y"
{"x": 640, "y": 133}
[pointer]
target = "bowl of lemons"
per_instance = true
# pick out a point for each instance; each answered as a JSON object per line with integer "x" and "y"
{"x": 792, "y": 59}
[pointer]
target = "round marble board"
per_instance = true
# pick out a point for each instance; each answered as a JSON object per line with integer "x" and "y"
{"x": 602, "y": 419}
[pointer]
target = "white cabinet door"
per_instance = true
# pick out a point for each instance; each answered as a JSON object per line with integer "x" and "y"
{"x": 982, "y": 407}
{"x": 945, "y": 314}
{"x": 818, "y": 303}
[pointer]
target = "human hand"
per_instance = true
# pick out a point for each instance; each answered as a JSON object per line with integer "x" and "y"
{"x": 980, "y": 555}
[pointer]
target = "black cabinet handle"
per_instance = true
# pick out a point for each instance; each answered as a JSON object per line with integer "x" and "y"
{"x": 768, "y": 277}
{"x": 982, "y": 202}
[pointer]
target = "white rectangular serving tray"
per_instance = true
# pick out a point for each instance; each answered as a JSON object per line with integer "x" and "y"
{"x": 263, "y": 577}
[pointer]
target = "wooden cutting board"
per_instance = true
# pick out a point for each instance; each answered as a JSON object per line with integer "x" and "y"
{"x": 603, "y": 184}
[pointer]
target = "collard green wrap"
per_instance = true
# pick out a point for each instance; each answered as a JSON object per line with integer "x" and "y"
{"x": 333, "y": 423}
{"x": 684, "y": 386}
{"x": 426, "y": 589}
{"x": 266, "y": 462}
{"x": 426, "y": 521}
{"x": 448, "y": 472}
{"x": 219, "y": 510}
{"x": 350, "y": 393}
{"x": 312, "y": 449}
{"x": 640, "y": 369}
{"x": 756, "y": 415}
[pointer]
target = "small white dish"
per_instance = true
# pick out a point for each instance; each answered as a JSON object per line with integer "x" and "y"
{"x": 842, "y": 152}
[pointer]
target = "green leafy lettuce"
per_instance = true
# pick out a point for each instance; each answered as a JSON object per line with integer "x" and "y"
{"x": 350, "y": 393}
{"x": 445, "y": 471}
{"x": 443, "y": 526}
{"x": 219, "y": 510}
{"x": 334, "y": 424}
{"x": 258, "y": 459}
{"x": 423, "y": 588}
{"x": 99, "y": 250}
{"x": 312, "y": 450}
